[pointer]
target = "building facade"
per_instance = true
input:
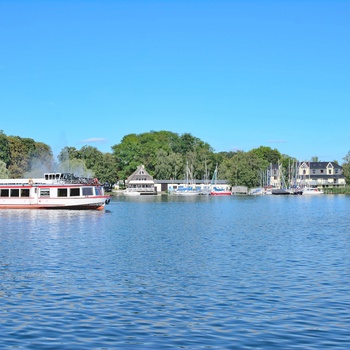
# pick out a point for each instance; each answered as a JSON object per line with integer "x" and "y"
{"x": 320, "y": 174}
{"x": 140, "y": 182}
{"x": 307, "y": 174}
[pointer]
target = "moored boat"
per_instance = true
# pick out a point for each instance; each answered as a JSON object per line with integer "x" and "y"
{"x": 312, "y": 191}
{"x": 216, "y": 191}
{"x": 280, "y": 191}
{"x": 53, "y": 191}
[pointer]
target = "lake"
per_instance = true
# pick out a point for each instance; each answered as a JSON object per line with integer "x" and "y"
{"x": 167, "y": 272}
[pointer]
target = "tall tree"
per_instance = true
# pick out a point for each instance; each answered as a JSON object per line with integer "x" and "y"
{"x": 267, "y": 153}
{"x": 106, "y": 169}
{"x": 144, "y": 149}
{"x": 19, "y": 156}
{"x": 4, "y": 148}
{"x": 4, "y": 173}
{"x": 244, "y": 169}
{"x": 346, "y": 167}
{"x": 91, "y": 155}
{"x": 68, "y": 153}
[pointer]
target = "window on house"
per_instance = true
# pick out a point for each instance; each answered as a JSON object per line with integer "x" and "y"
{"x": 304, "y": 172}
{"x": 336, "y": 171}
{"x": 314, "y": 171}
{"x": 329, "y": 171}
{"x": 321, "y": 171}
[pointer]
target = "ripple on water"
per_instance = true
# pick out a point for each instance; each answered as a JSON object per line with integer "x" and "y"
{"x": 227, "y": 273}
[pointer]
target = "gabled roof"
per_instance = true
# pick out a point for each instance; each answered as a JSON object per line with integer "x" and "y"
{"x": 140, "y": 174}
{"x": 322, "y": 165}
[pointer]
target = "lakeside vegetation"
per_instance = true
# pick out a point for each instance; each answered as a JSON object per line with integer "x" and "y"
{"x": 164, "y": 154}
{"x": 337, "y": 190}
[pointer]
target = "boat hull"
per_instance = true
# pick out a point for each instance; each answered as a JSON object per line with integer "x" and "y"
{"x": 52, "y": 193}
{"x": 221, "y": 193}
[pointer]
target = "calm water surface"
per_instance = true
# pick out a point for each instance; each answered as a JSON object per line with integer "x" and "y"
{"x": 167, "y": 273}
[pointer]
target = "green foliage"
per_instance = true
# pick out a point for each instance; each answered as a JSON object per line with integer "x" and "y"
{"x": 76, "y": 167}
{"x": 90, "y": 162}
{"x": 105, "y": 168}
{"x": 68, "y": 153}
{"x": 160, "y": 152}
{"x": 4, "y": 148}
{"x": 243, "y": 169}
{"x": 164, "y": 154}
{"x": 24, "y": 155}
{"x": 272, "y": 156}
{"x": 4, "y": 173}
{"x": 346, "y": 167}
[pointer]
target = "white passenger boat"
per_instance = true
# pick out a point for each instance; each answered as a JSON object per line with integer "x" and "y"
{"x": 53, "y": 191}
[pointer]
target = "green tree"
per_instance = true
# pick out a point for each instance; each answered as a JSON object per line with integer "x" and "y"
{"x": 4, "y": 173}
{"x": 106, "y": 169}
{"x": 144, "y": 149}
{"x": 19, "y": 156}
{"x": 346, "y": 168}
{"x": 91, "y": 156}
{"x": 127, "y": 155}
{"x": 68, "y": 153}
{"x": 267, "y": 153}
{"x": 244, "y": 169}
{"x": 177, "y": 165}
{"x": 76, "y": 167}
{"x": 163, "y": 168}
{"x": 4, "y": 148}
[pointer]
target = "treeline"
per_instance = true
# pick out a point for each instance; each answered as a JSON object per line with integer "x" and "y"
{"x": 165, "y": 155}
{"x": 17, "y": 155}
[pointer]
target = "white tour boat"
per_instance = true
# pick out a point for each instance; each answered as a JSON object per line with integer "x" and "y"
{"x": 53, "y": 191}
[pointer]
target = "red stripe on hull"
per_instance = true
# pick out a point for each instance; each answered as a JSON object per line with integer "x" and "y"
{"x": 70, "y": 207}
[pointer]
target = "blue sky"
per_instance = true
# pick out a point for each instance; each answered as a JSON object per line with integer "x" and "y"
{"x": 236, "y": 74}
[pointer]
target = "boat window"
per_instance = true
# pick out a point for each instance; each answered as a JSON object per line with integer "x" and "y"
{"x": 14, "y": 192}
{"x": 44, "y": 192}
{"x": 98, "y": 191}
{"x": 62, "y": 192}
{"x": 4, "y": 192}
{"x": 87, "y": 191}
{"x": 74, "y": 192}
{"x": 25, "y": 192}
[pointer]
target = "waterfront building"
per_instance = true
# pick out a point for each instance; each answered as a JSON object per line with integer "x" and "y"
{"x": 140, "y": 182}
{"x": 320, "y": 174}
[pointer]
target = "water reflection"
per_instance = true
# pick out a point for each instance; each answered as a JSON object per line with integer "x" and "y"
{"x": 171, "y": 272}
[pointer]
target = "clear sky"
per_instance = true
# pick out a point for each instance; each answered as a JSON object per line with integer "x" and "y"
{"x": 236, "y": 74}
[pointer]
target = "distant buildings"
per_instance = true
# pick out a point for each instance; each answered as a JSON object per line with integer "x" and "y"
{"x": 308, "y": 174}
